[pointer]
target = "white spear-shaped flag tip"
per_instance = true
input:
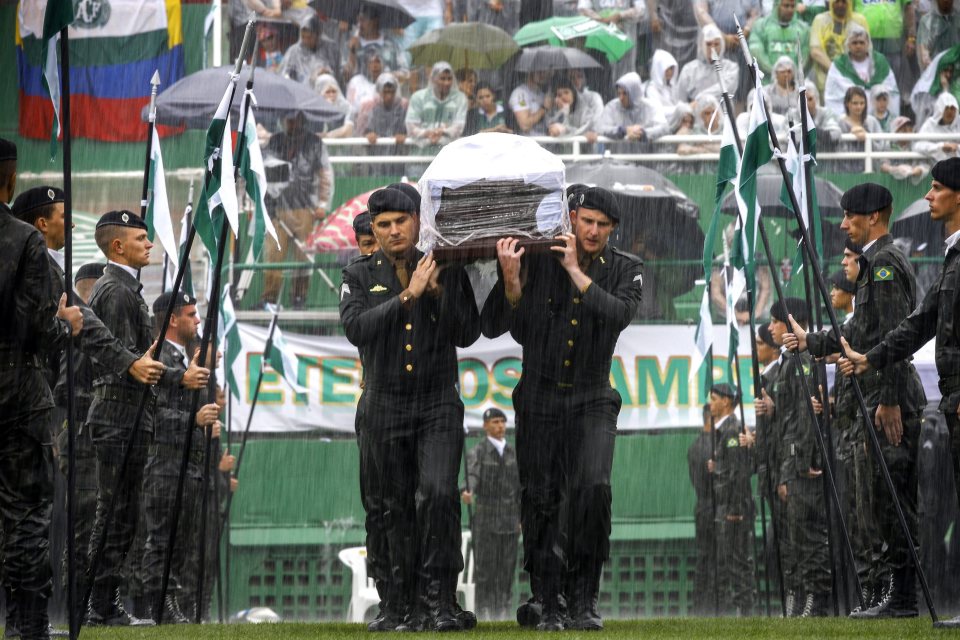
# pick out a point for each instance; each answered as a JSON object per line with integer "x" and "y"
{"x": 155, "y": 79}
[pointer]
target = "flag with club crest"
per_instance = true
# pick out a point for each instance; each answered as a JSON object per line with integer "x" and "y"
{"x": 218, "y": 199}
{"x": 173, "y": 263}
{"x": 159, "y": 224}
{"x": 255, "y": 176}
{"x": 284, "y": 361}
{"x": 58, "y": 15}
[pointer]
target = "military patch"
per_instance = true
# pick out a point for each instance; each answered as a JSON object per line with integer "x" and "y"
{"x": 344, "y": 290}
{"x": 733, "y": 442}
{"x": 883, "y": 274}
{"x": 378, "y": 288}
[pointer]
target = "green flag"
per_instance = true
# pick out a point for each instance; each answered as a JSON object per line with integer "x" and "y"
{"x": 57, "y": 16}
{"x": 157, "y": 219}
{"x": 229, "y": 335}
{"x": 284, "y": 361}
{"x": 255, "y": 177}
{"x": 218, "y": 200}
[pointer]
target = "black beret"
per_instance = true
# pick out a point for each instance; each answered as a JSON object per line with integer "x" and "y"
{"x": 852, "y": 246}
{"x": 763, "y": 332}
{"x": 795, "y": 307}
{"x": 391, "y": 199}
{"x": 866, "y": 198}
{"x": 602, "y": 200}
{"x": 493, "y": 413}
{"x": 122, "y": 218}
{"x": 839, "y": 280}
{"x": 362, "y": 224}
{"x": 182, "y": 299}
{"x": 947, "y": 173}
{"x": 91, "y": 270}
{"x": 573, "y": 194}
{"x": 35, "y": 198}
{"x": 408, "y": 189}
{"x": 8, "y": 150}
{"x": 726, "y": 390}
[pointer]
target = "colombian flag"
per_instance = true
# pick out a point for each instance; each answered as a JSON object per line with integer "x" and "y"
{"x": 115, "y": 46}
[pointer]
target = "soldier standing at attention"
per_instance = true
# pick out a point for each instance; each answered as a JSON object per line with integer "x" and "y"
{"x": 567, "y": 311}
{"x": 493, "y": 488}
{"x": 704, "y": 523}
{"x": 116, "y": 299}
{"x": 732, "y": 466}
{"x": 886, "y": 294}
{"x": 934, "y": 318}
{"x": 407, "y": 316}
{"x": 31, "y": 323}
{"x": 171, "y": 421}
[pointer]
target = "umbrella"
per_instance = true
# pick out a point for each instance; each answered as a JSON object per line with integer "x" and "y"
{"x": 916, "y": 225}
{"x": 392, "y": 15}
{"x": 769, "y": 185}
{"x": 605, "y": 38}
{"x": 336, "y": 232}
{"x": 192, "y": 101}
{"x": 657, "y": 221}
{"x": 554, "y": 59}
{"x": 465, "y": 45}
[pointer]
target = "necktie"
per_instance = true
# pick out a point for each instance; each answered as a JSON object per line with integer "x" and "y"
{"x": 403, "y": 274}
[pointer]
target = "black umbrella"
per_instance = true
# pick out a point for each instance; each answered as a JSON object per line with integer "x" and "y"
{"x": 769, "y": 186}
{"x": 391, "y": 14}
{"x": 657, "y": 222}
{"x": 192, "y": 101}
{"x": 915, "y": 224}
{"x": 549, "y": 58}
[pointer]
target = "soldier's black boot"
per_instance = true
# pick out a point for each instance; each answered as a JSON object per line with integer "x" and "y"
{"x": 790, "y": 604}
{"x": 391, "y": 612}
{"x": 582, "y": 600}
{"x": 445, "y": 612}
{"x": 172, "y": 614}
{"x": 107, "y": 611}
{"x": 11, "y": 627}
{"x": 33, "y": 619}
{"x": 551, "y": 618}
{"x": 899, "y": 602}
{"x": 529, "y": 612}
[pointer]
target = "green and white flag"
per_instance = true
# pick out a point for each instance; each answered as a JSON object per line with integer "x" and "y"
{"x": 159, "y": 224}
{"x": 173, "y": 262}
{"x": 229, "y": 335}
{"x": 57, "y": 16}
{"x": 756, "y": 153}
{"x": 252, "y": 171}
{"x": 284, "y": 362}
{"x": 218, "y": 200}
{"x": 798, "y": 168}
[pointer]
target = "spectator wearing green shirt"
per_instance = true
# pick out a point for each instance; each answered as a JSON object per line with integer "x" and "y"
{"x": 893, "y": 28}
{"x": 777, "y": 33}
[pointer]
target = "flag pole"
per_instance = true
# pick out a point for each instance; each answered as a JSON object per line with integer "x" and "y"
{"x": 204, "y": 344}
{"x": 73, "y": 614}
{"x": 151, "y": 124}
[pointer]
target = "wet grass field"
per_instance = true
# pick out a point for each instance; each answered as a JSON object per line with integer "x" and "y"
{"x": 667, "y": 628}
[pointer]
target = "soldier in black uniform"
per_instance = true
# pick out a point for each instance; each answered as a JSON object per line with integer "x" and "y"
{"x": 886, "y": 294}
{"x": 31, "y": 323}
{"x": 567, "y": 311}
{"x": 171, "y": 421}
{"x": 493, "y": 488}
{"x": 363, "y": 233}
{"x": 407, "y": 316}
{"x": 806, "y": 566}
{"x": 116, "y": 299}
{"x": 935, "y": 317}
{"x": 732, "y": 466}
{"x": 700, "y": 453}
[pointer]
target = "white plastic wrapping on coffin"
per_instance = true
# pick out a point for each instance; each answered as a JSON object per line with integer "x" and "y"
{"x": 493, "y": 156}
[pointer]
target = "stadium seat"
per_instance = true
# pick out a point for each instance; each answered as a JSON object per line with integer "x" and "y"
{"x": 363, "y": 593}
{"x": 465, "y": 581}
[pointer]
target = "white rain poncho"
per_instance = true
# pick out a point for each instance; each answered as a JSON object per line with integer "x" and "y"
{"x": 698, "y": 76}
{"x": 933, "y": 149}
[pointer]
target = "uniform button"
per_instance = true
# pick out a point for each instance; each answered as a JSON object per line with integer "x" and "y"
{"x": 409, "y": 367}
{"x": 569, "y": 343}
{"x": 408, "y": 326}
{"x": 574, "y": 322}
{"x": 566, "y": 363}
{"x": 576, "y": 301}
{"x": 409, "y": 347}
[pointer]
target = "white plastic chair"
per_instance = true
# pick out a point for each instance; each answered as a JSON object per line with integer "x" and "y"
{"x": 363, "y": 592}
{"x": 465, "y": 581}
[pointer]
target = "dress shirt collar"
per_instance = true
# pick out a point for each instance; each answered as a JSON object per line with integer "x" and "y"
{"x": 57, "y": 257}
{"x": 952, "y": 241}
{"x": 499, "y": 445}
{"x": 133, "y": 272}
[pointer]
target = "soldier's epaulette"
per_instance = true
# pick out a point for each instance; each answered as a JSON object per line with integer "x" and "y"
{"x": 359, "y": 258}
{"x": 626, "y": 254}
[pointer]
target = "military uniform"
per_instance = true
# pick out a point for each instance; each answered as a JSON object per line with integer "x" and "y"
{"x": 735, "y": 517}
{"x": 28, "y": 327}
{"x": 566, "y": 415}
{"x": 412, "y": 418}
{"x": 885, "y": 295}
{"x": 768, "y": 474}
{"x": 494, "y": 481}
{"x": 705, "y": 527}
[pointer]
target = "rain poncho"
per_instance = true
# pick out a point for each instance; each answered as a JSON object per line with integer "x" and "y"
{"x": 577, "y": 118}
{"x": 770, "y": 39}
{"x": 934, "y": 148}
{"x": 782, "y": 100}
{"x": 829, "y": 33}
{"x": 937, "y": 32}
{"x": 658, "y": 91}
{"x": 698, "y": 76}
{"x": 828, "y": 127}
{"x": 320, "y": 85}
{"x": 707, "y": 103}
{"x": 845, "y": 73}
{"x": 615, "y": 118}
{"x": 303, "y": 64}
{"x": 428, "y": 111}
{"x": 379, "y": 118}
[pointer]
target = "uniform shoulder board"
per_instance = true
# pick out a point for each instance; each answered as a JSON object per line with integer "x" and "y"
{"x": 626, "y": 254}
{"x": 359, "y": 258}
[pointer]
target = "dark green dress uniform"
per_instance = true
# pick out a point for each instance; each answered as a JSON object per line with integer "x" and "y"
{"x": 886, "y": 294}
{"x": 735, "y": 518}
{"x": 28, "y": 327}
{"x": 705, "y": 525}
{"x": 412, "y": 419}
{"x": 768, "y": 474}
{"x": 566, "y": 414}
{"x": 494, "y": 481}
{"x": 806, "y": 566}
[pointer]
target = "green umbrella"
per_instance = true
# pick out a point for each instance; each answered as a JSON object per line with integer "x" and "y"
{"x": 605, "y": 38}
{"x": 465, "y": 45}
